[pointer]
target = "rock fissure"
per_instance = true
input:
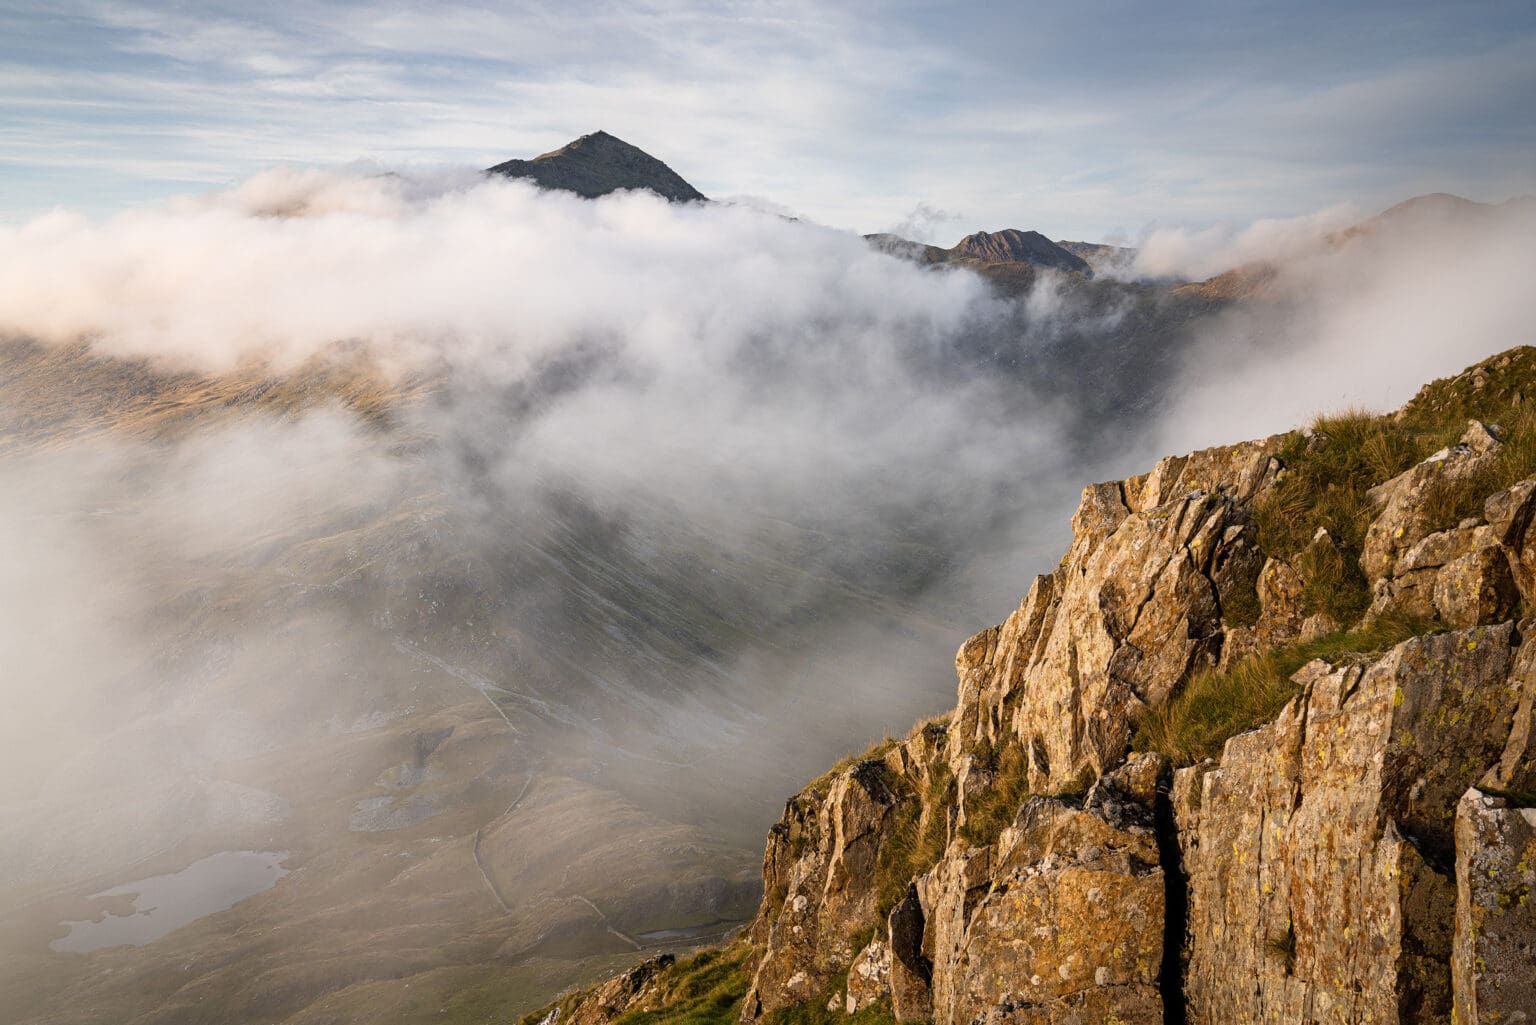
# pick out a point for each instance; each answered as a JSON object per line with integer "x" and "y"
{"x": 1170, "y": 975}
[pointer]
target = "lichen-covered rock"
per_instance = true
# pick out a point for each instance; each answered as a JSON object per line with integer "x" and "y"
{"x": 1318, "y": 850}
{"x": 1494, "y": 960}
{"x": 1475, "y": 589}
{"x": 911, "y": 968}
{"x": 1281, "y": 620}
{"x": 1515, "y": 771}
{"x": 1064, "y": 918}
{"x": 869, "y": 977}
{"x": 614, "y": 997}
{"x": 1461, "y": 577}
{"x": 1403, "y": 520}
{"x": 1509, "y": 514}
{"x": 820, "y": 868}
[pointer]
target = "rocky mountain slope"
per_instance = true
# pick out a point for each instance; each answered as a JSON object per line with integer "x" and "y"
{"x": 1009, "y": 256}
{"x": 1262, "y": 748}
{"x": 597, "y": 164}
{"x": 1014, "y": 246}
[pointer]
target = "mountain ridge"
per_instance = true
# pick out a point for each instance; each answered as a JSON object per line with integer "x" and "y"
{"x": 1011, "y": 245}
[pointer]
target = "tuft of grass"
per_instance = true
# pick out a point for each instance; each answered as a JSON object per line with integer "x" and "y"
{"x": 991, "y": 811}
{"x": 1241, "y": 606}
{"x": 1332, "y": 581}
{"x": 877, "y": 750}
{"x": 912, "y": 845}
{"x": 1516, "y": 798}
{"x": 1325, "y": 485}
{"x": 1449, "y": 500}
{"x": 1283, "y": 946}
{"x": 1212, "y": 707}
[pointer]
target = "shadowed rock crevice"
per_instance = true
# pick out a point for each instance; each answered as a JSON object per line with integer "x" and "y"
{"x": 1170, "y": 977}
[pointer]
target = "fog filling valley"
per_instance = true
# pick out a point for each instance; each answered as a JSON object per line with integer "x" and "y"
{"x": 506, "y": 558}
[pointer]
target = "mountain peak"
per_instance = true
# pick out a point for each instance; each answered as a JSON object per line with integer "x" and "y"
{"x": 597, "y": 164}
{"x": 1011, "y": 245}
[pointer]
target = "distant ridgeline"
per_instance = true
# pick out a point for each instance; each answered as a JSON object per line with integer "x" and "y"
{"x": 1262, "y": 748}
{"x": 597, "y": 164}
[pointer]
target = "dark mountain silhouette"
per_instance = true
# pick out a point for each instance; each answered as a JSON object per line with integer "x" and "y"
{"x": 597, "y": 164}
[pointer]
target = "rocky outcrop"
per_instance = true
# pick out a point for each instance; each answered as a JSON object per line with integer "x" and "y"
{"x": 614, "y": 997}
{"x": 1319, "y": 849}
{"x": 1365, "y": 857}
{"x": 1134, "y": 606}
{"x": 819, "y": 872}
{"x": 1405, "y": 510}
{"x": 1066, "y": 918}
{"x": 1317, "y": 853}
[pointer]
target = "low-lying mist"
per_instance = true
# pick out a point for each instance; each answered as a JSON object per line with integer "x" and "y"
{"x": 649, "y": 513}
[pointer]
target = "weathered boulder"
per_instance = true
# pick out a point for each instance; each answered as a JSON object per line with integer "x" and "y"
{"x": 1318, "y": 851}
{"x": 1515, "y": 771}
{"x": 1461, "y": 577}
{"x": 1509, "y": 514}
{"x": 1494, "y": 957}
{"x": 1063, "y": 918}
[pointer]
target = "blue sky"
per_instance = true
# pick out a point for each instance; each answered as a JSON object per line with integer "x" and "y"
{"x": 1084, "y": 120}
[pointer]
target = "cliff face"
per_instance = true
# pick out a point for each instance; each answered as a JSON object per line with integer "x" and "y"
{"x": 1152, "y": 803}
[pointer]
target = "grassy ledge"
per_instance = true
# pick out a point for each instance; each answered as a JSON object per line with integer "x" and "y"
{"x": 1212, "y": 706}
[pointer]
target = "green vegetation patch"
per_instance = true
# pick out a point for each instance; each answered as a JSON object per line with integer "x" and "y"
{"x": 1329, "y": 471}
{"x": 1212, "y": 706}
{"x": 1449, "y": 500}
{"x": 912, "y": 845}
{"x": 988, "y": 812}
{"x": 1325, "y": 485}
{"x": 823, "y": 783}
{"x": 815, "y": 1012}
{"x": 705, "y": 989}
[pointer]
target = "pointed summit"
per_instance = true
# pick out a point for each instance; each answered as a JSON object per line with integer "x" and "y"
{"x": 597, "y": 164}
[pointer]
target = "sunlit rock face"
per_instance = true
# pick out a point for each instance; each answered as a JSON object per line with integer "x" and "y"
{"x": 1362, "y": 856}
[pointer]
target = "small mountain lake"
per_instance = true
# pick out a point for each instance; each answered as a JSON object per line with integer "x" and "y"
{"x": 162, "y": 904}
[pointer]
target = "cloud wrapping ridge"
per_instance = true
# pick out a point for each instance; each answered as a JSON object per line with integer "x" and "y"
{"x": 293, "y": 261}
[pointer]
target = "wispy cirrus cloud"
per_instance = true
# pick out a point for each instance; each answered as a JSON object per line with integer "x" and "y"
{"x": 1078, "y": 122}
